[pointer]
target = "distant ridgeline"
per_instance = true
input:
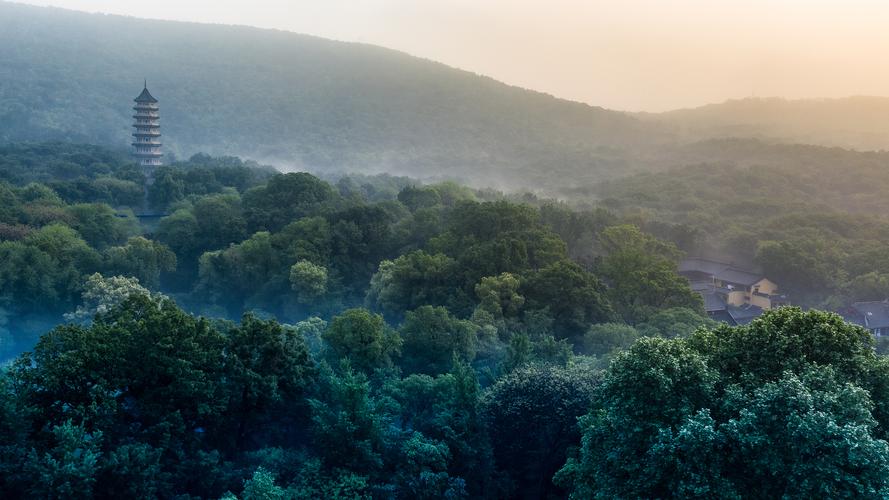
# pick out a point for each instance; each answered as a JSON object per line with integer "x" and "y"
{"x": 292, "y": 99}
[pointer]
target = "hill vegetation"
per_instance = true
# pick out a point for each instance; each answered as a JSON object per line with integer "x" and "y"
{"x": 860, "y": 122}
{"x": 237, "y": 237}
{"x": 227, "y": 330}
{"x": 280, "y": 336}
{"x": 812, "y": 217}
{"x": 305, "y": 103}
{"x": 298, "y": 101}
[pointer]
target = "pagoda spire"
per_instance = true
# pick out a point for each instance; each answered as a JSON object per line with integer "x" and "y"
{"x": 146, "y": 137}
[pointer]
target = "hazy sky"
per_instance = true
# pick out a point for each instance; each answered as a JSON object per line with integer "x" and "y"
{"x": 626, "y": 54}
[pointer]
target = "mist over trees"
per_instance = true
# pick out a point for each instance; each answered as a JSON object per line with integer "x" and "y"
{"x": 228, "y": 330}
{"x": 379, "y": 338}
{"x": 290, "y": 99}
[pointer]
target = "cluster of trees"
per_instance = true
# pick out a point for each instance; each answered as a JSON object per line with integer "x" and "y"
{"x": 430, "y": 341}
{"x": 67, "y": 211}
{"x": 238, "y": 238}
{"x": 792, "y": 406}
{"x": 811, "y": 218}
{"x": 147, "y": 400}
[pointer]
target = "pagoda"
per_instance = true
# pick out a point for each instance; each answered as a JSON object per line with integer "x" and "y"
{"x": 146, "y": 142}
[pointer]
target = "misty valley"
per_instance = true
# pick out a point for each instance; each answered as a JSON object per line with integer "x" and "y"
{"x": 295, "y": 268}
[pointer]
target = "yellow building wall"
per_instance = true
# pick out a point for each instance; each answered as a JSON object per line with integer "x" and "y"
{"x": 762, "y": 302}
{"x": 766, "y": 286}
{"x": 737, "y": 298}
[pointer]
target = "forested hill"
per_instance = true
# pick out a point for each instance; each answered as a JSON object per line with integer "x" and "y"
{"x": 860, "y": 122}
{"x": 290, "y": 99}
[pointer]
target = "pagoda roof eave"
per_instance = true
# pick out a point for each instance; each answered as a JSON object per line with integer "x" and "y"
{"x": 145, "y": 96}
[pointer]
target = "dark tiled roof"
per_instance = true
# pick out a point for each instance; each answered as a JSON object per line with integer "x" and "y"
{"x": 872, "y": 314}
{"x": 146, "y": 96}
{"x": 744, "y": 315}
{"x": 740, "y": 277}
{"x": 719, "y": 270}
{"x": 702, "y": 266}
{"x": 722, "y": 316}
{"x": 713, "y": 302}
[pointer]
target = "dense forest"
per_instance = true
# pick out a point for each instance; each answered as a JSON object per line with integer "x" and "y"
{"x": 235, "y": 236}
{"x": 267, "y": 335}
{"x": 813, "y": 218}
{"x": 365, "y": 275}
{"x": 376, "y": 288}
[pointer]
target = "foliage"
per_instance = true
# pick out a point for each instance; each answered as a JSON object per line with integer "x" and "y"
{"x": 574, "y": 297}
{"x": 477, "y": 309}
{"x": 363, "y": 338}
{"x": 532, "y": 414}
{"x": 432, "y": 337}
{"x": 308, "y": 280}
{"x": 142, "y": 259}
{"x": 784, "y": 407}
{"x": 101, "y": 295}
{"x": 413, "y": 280}
{"x": 605, "y": 338}
{"x": 641, "y": 272}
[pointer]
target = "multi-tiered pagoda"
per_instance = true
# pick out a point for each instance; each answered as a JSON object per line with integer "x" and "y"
{"x": 147, "y": 137}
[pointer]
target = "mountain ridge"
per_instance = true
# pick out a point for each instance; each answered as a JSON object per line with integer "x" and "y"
{"x": 855, "y": 122}
{"x": 291, "y": 99}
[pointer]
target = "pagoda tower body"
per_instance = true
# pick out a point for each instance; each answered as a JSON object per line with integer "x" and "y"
{"x": 147, "y": 137}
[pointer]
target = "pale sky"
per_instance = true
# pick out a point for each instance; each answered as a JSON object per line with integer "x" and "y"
{"x": 634, "y": 55}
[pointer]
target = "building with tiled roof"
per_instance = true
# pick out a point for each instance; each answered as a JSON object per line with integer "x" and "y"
{"x": 731, "y": 294}
{"x": 873, "y": 315}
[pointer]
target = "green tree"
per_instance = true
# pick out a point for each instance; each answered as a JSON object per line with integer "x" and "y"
{"x": 423, "y": 472}
{"x": 499, "y": 301}
{"x": 787, "y": 406}
{"x": 101, "y": 295}
{"x": 233, "y": 276}
{"x": 432, "y": 337}
{"x": 347, "y": 428}
{"x": 267, "y": 371}
{"x": 286, "y": 198}
{"x": 674, "y": 322}
{"x": 573, "y": 297}
{"x": 308, "y": 280}
{"x": 69, "y": 469}
{"x": 413, "y": 280}
{"x": 364, "y": 338}
{"x": 868, "y": 286}
{"x": 655, "y": 384}
{"x": 100, "y": 225}
{"x": 415, "y": 198}
{"x": 605, "y": 338}
{"x": 804, "y": 265}
{"x": 142, "y": 259}
{"x": 642, "y": 275}
{"x": 44, "y": 272}
{"x": 262, "y": 487}
{"x": 532, "y": 419}
{"x": 128, "y": 355}
{"x": 165, "y": 191}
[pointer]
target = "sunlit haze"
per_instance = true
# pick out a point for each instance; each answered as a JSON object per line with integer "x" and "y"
{"x": 635, "y": 55}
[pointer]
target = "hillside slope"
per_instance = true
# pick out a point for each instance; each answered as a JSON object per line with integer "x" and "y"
{"x": 292, "y": 100}
{"x": 854, "y": 122}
